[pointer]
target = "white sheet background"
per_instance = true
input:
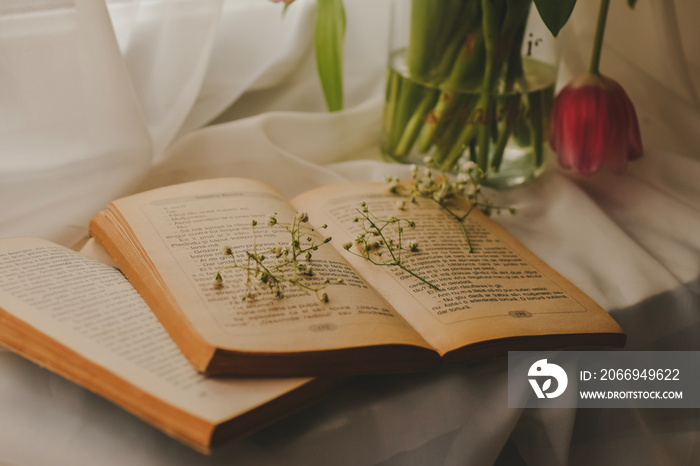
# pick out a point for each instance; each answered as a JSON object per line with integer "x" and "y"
{"x": 98, "y": 100}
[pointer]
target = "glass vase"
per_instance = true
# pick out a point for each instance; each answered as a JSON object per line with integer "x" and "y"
{"x": 470, "y": 80}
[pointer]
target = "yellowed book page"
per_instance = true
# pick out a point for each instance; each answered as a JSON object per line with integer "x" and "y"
{"x": 490, "y": 292}
{"x": 93, "y": 250}
{"x": 92, "y": 309}
{"x": 184, "y": 230}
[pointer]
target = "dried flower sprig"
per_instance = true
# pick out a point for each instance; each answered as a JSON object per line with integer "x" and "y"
{"x": 279, "y": 266}
{"x": 449, "y": 193}
{"x": 382, "y": 241}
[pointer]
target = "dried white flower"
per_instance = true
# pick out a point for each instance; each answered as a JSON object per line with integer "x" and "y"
{"x": 469, "y": 166}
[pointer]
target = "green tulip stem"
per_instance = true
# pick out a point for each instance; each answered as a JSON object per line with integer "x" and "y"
{"x": 598, "y": 40}
{"x": 537, "y": 127}
{"x": 389, "y": 117}
{"x": 414, "y": 124}
{"x": 461, "y": 55}
{"x": 435, "y": 121}
{"x": 509, "y": 115}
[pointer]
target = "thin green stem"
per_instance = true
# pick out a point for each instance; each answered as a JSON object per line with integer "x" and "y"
{"x": 460, "y": 220}
{"x": 415, "y": 123}
{"x": 392, "y": 95}
{"x": 406, "y": 269}
{"x": 537, "y": 125}
{"x": 395, "y": 258}
{"x": 381, "y": 235}
{"x": 598, "y": 40}
{"x": 402, "y": 267}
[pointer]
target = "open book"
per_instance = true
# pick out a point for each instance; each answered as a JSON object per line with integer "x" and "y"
{"x": 83, "y": 320}
{"x": 169, "y": 242}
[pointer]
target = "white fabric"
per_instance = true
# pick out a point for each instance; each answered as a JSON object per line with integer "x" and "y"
{"x": 89, "y": 112}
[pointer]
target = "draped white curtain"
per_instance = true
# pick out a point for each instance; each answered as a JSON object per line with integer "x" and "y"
{"x": 99, "y": 99}
{"x": 93, "y": 93}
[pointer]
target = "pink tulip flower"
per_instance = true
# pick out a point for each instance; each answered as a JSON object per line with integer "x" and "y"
{"x": 594, "y": 123}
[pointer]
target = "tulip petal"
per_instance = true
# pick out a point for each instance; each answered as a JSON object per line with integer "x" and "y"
{"x": 594, "y": 123}
{"x": 616, "y": 147}
{"x": 587, "y": 130}
{"x": 634, "y": 135}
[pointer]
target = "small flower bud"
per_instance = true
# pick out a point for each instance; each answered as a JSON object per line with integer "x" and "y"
{"x": 468, "y": 166}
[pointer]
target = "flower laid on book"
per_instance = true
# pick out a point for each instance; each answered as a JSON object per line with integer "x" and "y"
{"x": 458, "y": 196}
{"x": 382, "y": 241}
{"x": 277, "y": 267}
{"x": 594, "y": 122}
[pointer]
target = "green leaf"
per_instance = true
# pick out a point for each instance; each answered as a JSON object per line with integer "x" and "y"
{"x": 330, "y": 32}
{"x": 555, "y": 13}
{"x": 631, "y": 3}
